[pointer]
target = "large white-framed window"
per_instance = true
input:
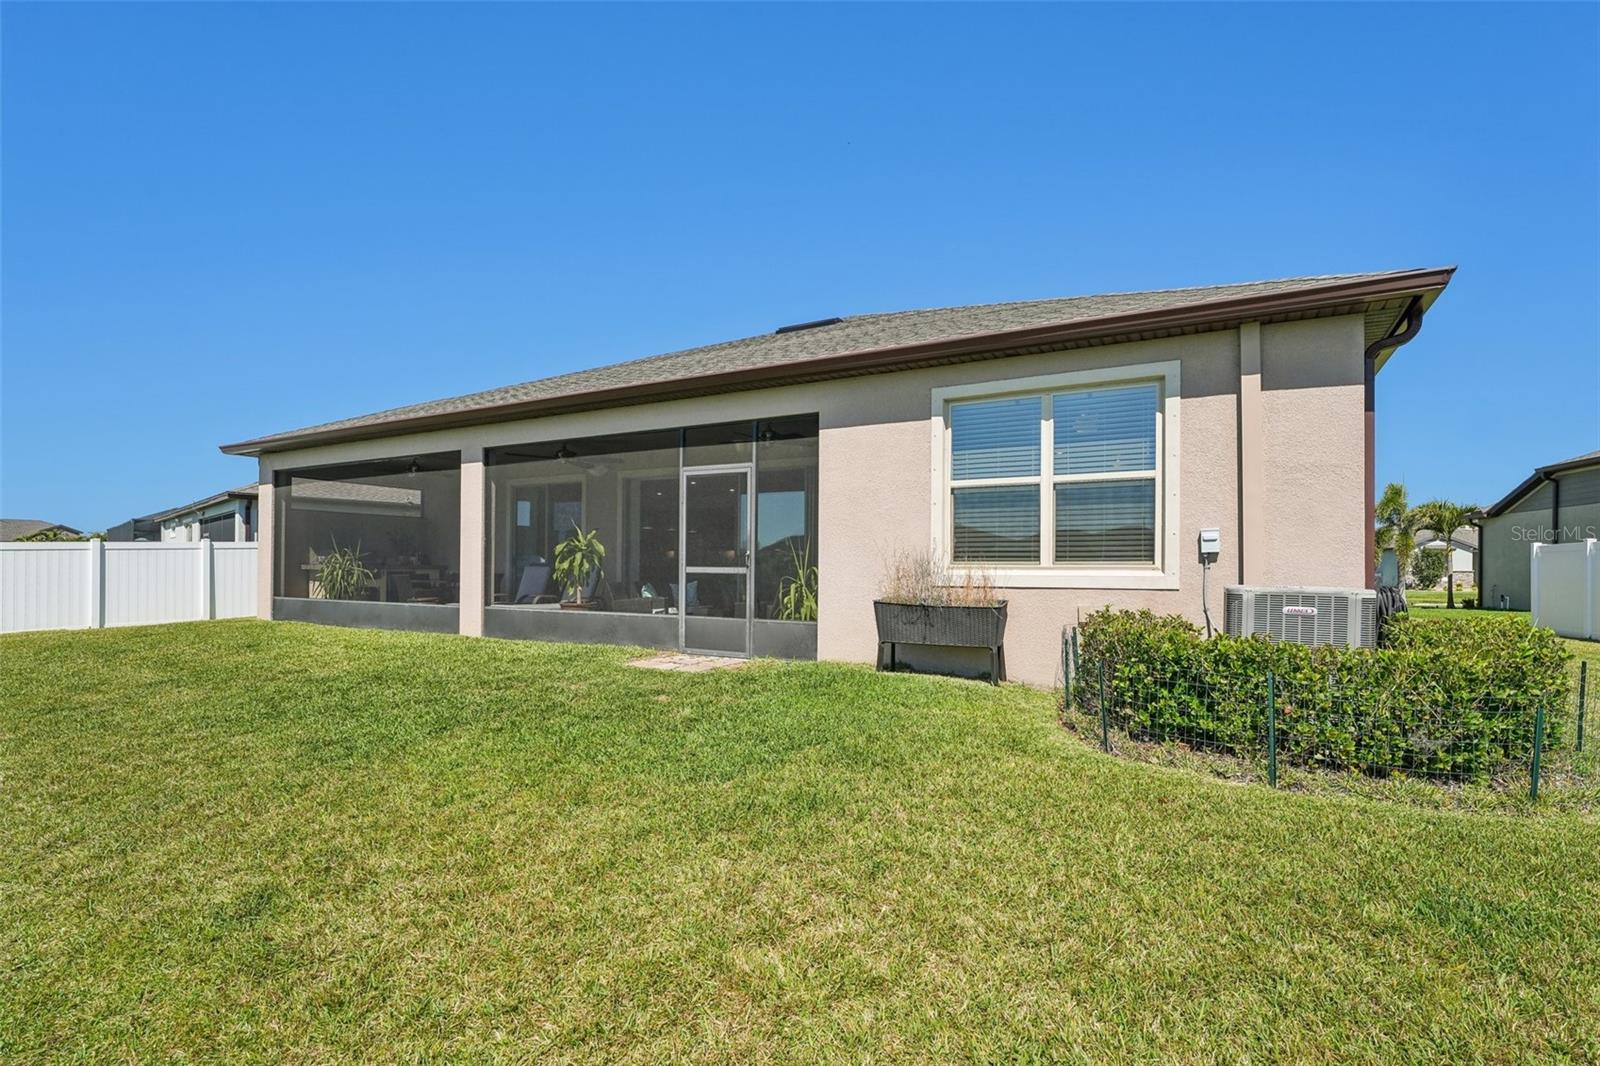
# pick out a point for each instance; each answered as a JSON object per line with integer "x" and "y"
{"x": 1062, "y": 480}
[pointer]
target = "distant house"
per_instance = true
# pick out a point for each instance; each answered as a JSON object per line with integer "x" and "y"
{"x": 1556, "y": 503}
{"x": 135, "y": 529}
{"x": 1463, "y": 552}
{"x": 17, "y": 528}
{"x": 225, "y": 516}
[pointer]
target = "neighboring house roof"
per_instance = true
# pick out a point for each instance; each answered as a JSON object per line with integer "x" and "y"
{"x": 877, "y": 343}
{"x": 1465, "y": 538}
{"x": 1539, "y": 476}
{"x": 243, "y": 492}
{"x": 356, "y": 492}
{"x": 17, "y": 528}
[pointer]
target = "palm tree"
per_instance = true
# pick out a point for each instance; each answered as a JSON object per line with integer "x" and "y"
{"x": 1444, "y": 518}
{"x": 1397, "y": 528}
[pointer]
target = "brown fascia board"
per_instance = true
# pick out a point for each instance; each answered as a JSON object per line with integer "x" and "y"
{"x": 1215, "y": 313}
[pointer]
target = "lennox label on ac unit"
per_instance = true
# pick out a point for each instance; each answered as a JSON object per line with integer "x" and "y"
{"x": 1347, "y": 617}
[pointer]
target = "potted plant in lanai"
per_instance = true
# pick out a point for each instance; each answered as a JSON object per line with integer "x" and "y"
{"x": 918, "y": 603}
{"x": 578, "y": 564}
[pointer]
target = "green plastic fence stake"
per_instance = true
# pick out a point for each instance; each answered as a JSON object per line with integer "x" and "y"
{"x": 1583, "y": 692}
{"x": 1272, "y": 730}
{"x": 1538, "y": 747}
{"x": 1077, "y": 665}
{"x": 1105, "y": 719}
{"x": 1066, "y": 671}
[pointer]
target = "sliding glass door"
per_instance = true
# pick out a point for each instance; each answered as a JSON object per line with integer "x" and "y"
{"x": 713, "y": 590}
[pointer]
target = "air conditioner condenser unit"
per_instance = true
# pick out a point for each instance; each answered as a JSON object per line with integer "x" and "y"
{"x": 1343, "y": 617}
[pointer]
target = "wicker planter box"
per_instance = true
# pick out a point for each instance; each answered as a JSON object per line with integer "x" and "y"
{"x": 961, "y": 627}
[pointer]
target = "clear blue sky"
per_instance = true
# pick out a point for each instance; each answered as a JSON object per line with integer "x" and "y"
{"x": 227, "y": 220}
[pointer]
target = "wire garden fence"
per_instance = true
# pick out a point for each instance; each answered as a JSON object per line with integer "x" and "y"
{"x": 1269, "y": 723}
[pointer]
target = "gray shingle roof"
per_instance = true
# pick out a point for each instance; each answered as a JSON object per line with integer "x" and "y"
{"x": 356, "y": 492}
{"x": 1530, "y": 482}
{"x": 1465, "y": 537}
{"x": 16, "y": 528}
{"x": 243, "y": 491}
{"x": 855, "y": 335}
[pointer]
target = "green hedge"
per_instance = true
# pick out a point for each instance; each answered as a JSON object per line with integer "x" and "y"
{"x": 1448, "y": 697}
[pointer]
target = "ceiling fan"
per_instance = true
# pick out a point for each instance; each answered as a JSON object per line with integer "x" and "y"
{"x": 588, "y": 466}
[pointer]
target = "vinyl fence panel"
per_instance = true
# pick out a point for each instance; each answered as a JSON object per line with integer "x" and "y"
{"x": 88, "y": 584}
{"x": 233, "y": 569}
{"x": 1566, "y": 588}
{"x": 150, "y": 583}
{"x": 44, "y": 586}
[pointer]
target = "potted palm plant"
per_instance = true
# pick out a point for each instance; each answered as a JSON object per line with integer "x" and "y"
{"x": 917, "y": 603}
{"x": 578, "y": 559}
{"x": 342, "y": 575}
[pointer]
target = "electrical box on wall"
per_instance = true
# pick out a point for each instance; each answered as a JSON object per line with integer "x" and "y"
{"x": 1210, "y": 544}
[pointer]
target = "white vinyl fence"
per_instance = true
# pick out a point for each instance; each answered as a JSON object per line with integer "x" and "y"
{"x": 1566, "y": 588}
{"x": 90, "y": 584}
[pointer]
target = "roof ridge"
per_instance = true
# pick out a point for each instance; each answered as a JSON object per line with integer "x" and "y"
{"x": 1134, "y": 292}
{"x": 772, "y": 354}
{"x": 876, "y": 315}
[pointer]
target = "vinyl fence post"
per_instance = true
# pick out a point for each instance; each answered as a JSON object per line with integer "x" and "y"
{"x": 1105, "y": 718}
{"x": 1591, "y": 609}
{"x": 1272, "y": 730}
{"x": 207, "y": 576}
{"x": 1538, "y": 747}
{"x": 1533, "y": 583}
{"x": 1583, "y": 697}
{"x": 97, "y": 583}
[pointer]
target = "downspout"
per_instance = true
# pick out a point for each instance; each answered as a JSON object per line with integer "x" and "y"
{"x": 1413, "y": 320}
{"x": 1413, "y": 317}
{"x": 1555, "y": 508}
{"x": 1480, "y": 560}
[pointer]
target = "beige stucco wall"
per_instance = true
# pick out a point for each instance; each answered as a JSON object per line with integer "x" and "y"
{"x": 1313, "y": 454}
{"x": 876, "y": 467}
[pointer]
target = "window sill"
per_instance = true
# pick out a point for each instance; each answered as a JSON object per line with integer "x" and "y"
{"x": 1051, "y": 578}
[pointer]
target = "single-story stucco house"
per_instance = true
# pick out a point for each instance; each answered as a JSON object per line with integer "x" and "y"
{"x": 229, "y": 515}
{"x": 1463, "y": 552}
{"x": 1072, "y": 448}
{"x": 1556, "y": 503}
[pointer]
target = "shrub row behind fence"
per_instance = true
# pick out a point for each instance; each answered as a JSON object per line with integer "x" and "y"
{"x": 1454, "y": 699}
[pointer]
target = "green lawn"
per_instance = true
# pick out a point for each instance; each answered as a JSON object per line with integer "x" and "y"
{"x": 251, "y": 841}
{"x": 1436, "y": 597}
{"x": 1581, "y": 649}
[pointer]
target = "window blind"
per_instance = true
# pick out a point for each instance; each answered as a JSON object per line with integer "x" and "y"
{"x": 1099, "y": 431}
{"x": 996, "y": 438}
{"x": 1106, "y": 521}
{"x": 997, "y": 525}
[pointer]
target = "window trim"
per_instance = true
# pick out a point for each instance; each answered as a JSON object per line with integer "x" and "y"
{"x": 1162, "y": 575}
